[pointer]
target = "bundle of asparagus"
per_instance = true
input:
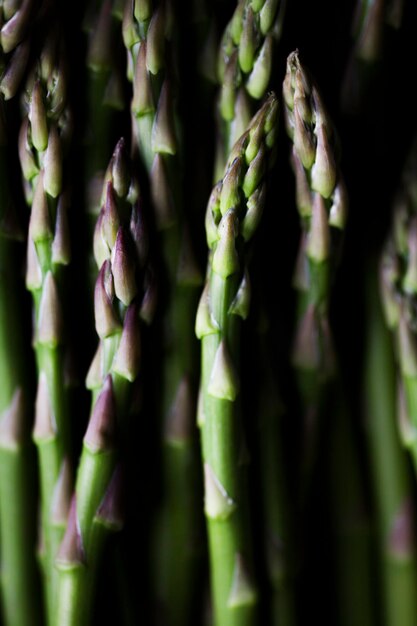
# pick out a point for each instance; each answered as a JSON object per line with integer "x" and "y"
{"x": 103, "y": 481}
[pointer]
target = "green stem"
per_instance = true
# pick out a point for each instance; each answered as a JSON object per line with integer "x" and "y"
{"x": 234, "y": 597}
{"x": 391, "y": 480}
{"x": 20, "y": 597}
{"x": 353, "y": 531}
{"x": 277, "y": 506}
{"x": 51, "y": 452}
{"x": 76, "y": 584}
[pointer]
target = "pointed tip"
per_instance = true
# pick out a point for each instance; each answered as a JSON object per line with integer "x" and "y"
{"x": 45, "y": 425}
{"x": 28, "y": 163}
{"x": 123, "y": 269}
{"x": 340, "y": 203}
{"x": 324, "y": 169}
{"x": 255, "y": 172}
{"x": 306, "y": 351}
{"x": 128, "y": 356}
{"x": 40, "y": 223}
{"x": 52, "y": 163}
{"x": 188, "y": 271}
{"x": 99, "y": 53}
{"x": 106, "y": 318}
{"x": 15, "y": 70}
{"x": 150, "y": 296}
{"x": 110, "y": 221}
{"x": 61, "y": 248}
{"x": 213, "y": 215}
{"x": 15, "y": 27}
{"x": 94, "y": 379}
{"x": 218, "y": 505}
{"x": 230, "y": 189}
{"x": 318, "y": 245}
{"x": 241, "y": 302}
{"x": 111, "y": 510}
{"x": 71, "y": 554}
{"x": 302, "y": 189}
{"x": 269, "y": 14}
{"x": 33, "y": 276}
{"x": 227, "y": 100}
{"x": 163, "y": 131}
{"x": 205, "y": 324}
{"x": 161, "y": 194}
{"x": 100, "y": 248}
{"x": 224, "y": 382}
{"x": 247, "y": 41}
{"x": 243, "y": 592}
{"x": 12, "y": 422}
{"x": 254, "y": 211}
{"x": 142, "y": 10}
{"x": 61, "y": 497}
{"x": 402, "y": 539}
{"x": 155, "y": 55}
{"x": 101, "y": 429}
{"x": 37, "y": 117}
{"x": 120, "y": 169}
{"x": 259, "y": 78}
{"x": 143, "y": 99}
{"x": 180, "y": 420}
{"x": 139, "y": 232}
{"x": 50, "y": 323}
{"x": 225, "y": 260}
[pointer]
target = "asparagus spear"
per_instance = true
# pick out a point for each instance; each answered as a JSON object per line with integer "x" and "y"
{"x": 148, "y": 35}
{"x": 368, "y": 33}
{"x": 16, "y": 19}
{"x": 119, "y": 300}
{"x": 43, "y": 137}
{"x": 322, "y": 204}
{"x": 398, "y": 289}
{"x": 244, "y": 68}
{"x": 19, "y": 576}
{"x": 233, "y": 213}
{"x": 391, "y": 477}
{"x": 105, "y": 100}
{"x": 277, "y": 504}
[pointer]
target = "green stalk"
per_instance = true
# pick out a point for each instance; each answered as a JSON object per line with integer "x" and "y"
{"x": 19, "y": 576}
{"x": 392, "y": 482}
{"x": 322, "y": 204}
{"x": 74, "y": 604}
{"x": 104, "y": 95}
{"x": 148, "y": 34}
{"x": 17, "y": 19}
{"x": 43, "y": 136}
{"x": 245, "y": 65}
{"x": 353, "y": 530}
{"x": 118, "y": 249}
{"x": 368, "y": 30}
{"x": 233, "y": 214}
{"x": 398, "y": 290}
{"x": 278, "y": 508}
{"x": 19, "y": 581}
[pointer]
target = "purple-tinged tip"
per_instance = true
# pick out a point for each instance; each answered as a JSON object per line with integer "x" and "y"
{"x": 127, "y": 359}
{"x": 123, "y": 269}
{"x": 71, "y": 554}
{"x": 107, "y": 321}
{"x": 101, "y": 428}
{"x": 111, "y": 510}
